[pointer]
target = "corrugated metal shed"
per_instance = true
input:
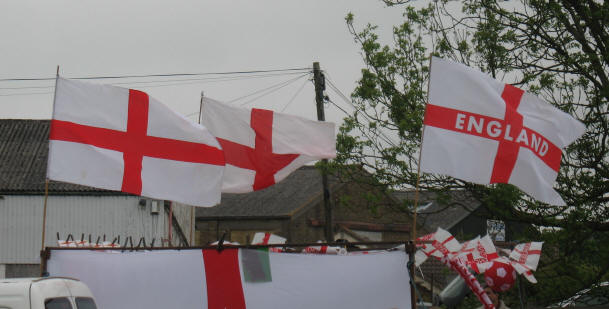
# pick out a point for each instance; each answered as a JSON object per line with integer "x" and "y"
{"x": 21, "y": 222}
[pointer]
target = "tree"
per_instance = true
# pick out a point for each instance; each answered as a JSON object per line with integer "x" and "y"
{"x": 557, "y": 49}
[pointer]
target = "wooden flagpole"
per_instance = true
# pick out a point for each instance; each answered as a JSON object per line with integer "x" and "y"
{"x": 416, "y": 192}
{"x": 44, "y": 212}
{"x": 46, "y": 186}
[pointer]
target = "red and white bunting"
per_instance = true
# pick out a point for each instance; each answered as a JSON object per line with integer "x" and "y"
{"x": 527, "y": 254}
{"x": 470, "y": 280}
{"x": 521, "y": 269}
{"x": 478, "y": 253}
{"x": 268, "y": 238}
{"x": 443, "y": 244}
{"x": 325, "y": 250}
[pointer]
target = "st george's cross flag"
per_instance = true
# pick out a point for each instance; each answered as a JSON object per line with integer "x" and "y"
{"x": 237, "y": 279}
{"x": 481, "y": 130}
{"x": 443, "y": 244}
{"x": 263, "y": 147}
{"x": 121, "y": 139}
{"x": 478, "y": 253}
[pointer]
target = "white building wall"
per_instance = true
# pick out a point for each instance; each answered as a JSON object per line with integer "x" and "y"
{"x": 21, "y": 222}
{"x": 183, "y": 214}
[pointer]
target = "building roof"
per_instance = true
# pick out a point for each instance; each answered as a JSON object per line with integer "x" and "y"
{"x": 282, "y": 200}
{"x": 433, "y": 214}
{"x": 23, "y": 160}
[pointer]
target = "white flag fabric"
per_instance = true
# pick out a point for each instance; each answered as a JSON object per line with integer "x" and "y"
{"x": 484, "y": 131}
{"x": 263, "y": 147}
{"x": 192, "y": 278}
{"x": 120, "y": 139}
{"x": 527, "y": 254}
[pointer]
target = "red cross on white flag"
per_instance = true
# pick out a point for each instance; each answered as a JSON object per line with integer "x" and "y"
{"x": 527, "y": 254}
{"x": 120, "y": 139}
{"x": 477, "y": 253}
{"x": 443, "y": 245}
{"x": 263, "y": 147}
{"x": 484, "y": 131}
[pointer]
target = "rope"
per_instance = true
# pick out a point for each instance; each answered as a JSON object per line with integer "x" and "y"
{"x": 416, "y": 291}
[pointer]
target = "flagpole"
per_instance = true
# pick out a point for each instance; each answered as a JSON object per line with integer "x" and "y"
{"x": 416, "y": 191}
{"x": 192, "y": 208}
{"x": 44, "y": 212}
{"x": 46, "y": 184}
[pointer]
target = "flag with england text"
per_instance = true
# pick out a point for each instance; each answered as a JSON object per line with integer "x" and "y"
{"x": 121, "y": 139}
{"x": 208, "y": 278}
{"x": 484, "y": 131}
{"x": 263, "y": 147}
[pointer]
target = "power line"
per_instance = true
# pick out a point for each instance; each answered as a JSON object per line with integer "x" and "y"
{"x": 271, "y": 88}
{"x": 159, "y": 75}
{"x": 171, "y": 82}
{"x": 268, "y": 90}
{"x": 294, "y": 96}
{"x": 174, "y": 81}
{"x": 381, "y": 134}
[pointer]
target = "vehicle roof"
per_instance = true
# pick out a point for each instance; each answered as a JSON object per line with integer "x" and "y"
{"x": 35, "y": 279}
{"x": 19, "y": 286}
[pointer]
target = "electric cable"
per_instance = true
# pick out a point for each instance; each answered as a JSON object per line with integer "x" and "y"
{"x": 381, "y": 134}
{"x": 271, "y": 91}
{"x": 158, "y": 75}
{"x": 296, "y": 94}
{"x": 171, "y": 82}
{"x": 271, "y": 88}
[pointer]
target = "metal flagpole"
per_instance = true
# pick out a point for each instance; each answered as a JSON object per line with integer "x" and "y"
{"x": 192, "y": 209}
{"x": 46, "y": 185}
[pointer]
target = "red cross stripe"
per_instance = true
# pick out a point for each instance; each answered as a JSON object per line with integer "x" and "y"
{"x": 483, "y": 257}
{"x": 423, "y": 238}
{"x": 135, "y": 143}
{"x": 440, "y": 246}
{"x": 510, "y": 132}
{"x": 223, "y": 277}
{"x": 260, "y": 159}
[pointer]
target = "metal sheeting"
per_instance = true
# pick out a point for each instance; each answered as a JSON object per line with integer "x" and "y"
{"x": 21, "y": 222}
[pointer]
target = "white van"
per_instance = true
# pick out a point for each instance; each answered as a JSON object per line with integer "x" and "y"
{"x": 45, "y": 293}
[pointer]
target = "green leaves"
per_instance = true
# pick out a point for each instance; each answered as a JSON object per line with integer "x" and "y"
{"x": 558, "y": 50}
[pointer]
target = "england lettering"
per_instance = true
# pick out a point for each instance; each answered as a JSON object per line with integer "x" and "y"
{"x": 499, "y": 130}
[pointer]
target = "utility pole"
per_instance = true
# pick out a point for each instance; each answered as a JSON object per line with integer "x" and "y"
{"x": 320, "y": 86}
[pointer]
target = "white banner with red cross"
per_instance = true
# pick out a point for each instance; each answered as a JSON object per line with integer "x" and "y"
{"x": 120, "y": 139}
{"x": 237, "y": 279}
{"x": 263, "y": 147}
{"x": 484, "y": 131}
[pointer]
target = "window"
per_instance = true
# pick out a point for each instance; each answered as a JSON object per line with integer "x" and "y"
{"x": 57, "y": 303}
{"x": 85, "y": 303}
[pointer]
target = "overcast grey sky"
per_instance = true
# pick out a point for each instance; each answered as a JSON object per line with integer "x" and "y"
{"x": 118, "y": 37}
